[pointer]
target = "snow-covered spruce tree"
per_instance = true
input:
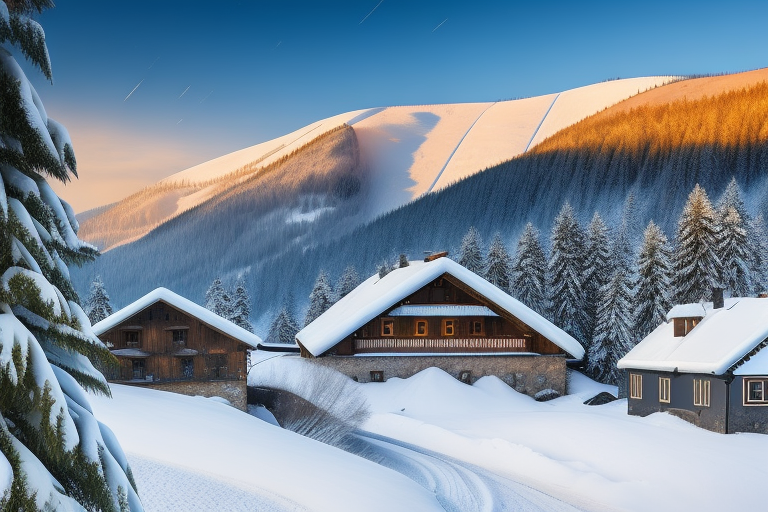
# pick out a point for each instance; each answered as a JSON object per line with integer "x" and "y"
{"x": 734, "y": 253}
{"x": 597, "y": 266}
{"x": 471, "y": 253}
{"x": 734, "y": 248}
{"x": 348, "y": 281}
{"x": 529, "y": 271}
{"x": 612, "y": 337}
{"x": 284, "y": 327}
{"x": 241, "y": 306}
{"x": 54, "y": 454}
{"x": 320, "y": 299}
{"x": 758, "y": 244}
{"x": 566, "y": 274}
{"x": 654, "y": 269}
{"x": 498, "y": 264}
{"x": 696, "y": 266}
{"x": 218, "y": 300}
{"x": 97, "y": 305}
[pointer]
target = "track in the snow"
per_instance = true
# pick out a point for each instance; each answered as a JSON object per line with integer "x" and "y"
{"x": 458, "y": 486}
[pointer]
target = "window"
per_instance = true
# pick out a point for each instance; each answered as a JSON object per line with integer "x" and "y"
{"x": 387, "y": 327}
{"x": 448, "y": 327}
{"x": 664, "y": 390}
{"x": 377, "y": 376}
{"x": 180, "y": 337}
{"x": 138, "y": 369}
{"x": 476, "y": 327}
{"x": 685, "y": 325}
{"x": 421, "y": 328}
{"x": 131, "y": 338}
{"x": 755, "y": 391}
{"x": 635, "y": 386}
{"x": 701, "y": 392}
{"x": 187, "y": 368}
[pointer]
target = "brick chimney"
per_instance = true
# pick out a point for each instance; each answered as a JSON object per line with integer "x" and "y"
{"x": 717, "y": 298}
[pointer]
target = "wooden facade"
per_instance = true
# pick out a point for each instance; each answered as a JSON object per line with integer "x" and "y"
{"x": 434, "y": 319}
{"x": 161, "y": 343}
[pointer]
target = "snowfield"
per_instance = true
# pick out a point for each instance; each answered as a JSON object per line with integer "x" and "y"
{"x": 449, "y": 446}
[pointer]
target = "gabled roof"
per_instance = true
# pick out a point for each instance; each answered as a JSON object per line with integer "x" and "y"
{"x": 722, "y": 339}
{"x": 376, "y": 295}
{"x": 209, "y": 318}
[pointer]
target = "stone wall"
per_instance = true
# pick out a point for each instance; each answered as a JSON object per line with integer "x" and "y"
{"x": 526, "y": 374}
{"x": 233, "y": 390}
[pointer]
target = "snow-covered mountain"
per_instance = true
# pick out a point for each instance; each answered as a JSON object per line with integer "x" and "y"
{"x": 406, "y": 151}
{"x": 356, "y": 193}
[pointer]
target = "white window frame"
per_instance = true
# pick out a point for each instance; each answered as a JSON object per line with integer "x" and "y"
{"x": 764, "y": 385}
{"x": 636, "y": 386}
{"x": 701, "y": 392}
{"x": 665, "y": 390}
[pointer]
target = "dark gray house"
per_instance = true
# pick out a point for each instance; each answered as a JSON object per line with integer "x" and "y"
{"x": 706, "y": 365}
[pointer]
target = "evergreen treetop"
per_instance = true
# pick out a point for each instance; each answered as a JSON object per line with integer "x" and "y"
{"x": 470, "y": 252}
{"x": 529, "y": 268}
{"x": 97, "y": 306}
{"x": 61, "y": 457}
{"x": 653, "y": 292}
{"x": 320, "y": 299}
{"x": 498, "y": 264}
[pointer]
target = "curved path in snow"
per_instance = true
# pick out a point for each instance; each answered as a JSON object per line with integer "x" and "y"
{"x": 536, "y": 131}
{"x": 458, "y": 486}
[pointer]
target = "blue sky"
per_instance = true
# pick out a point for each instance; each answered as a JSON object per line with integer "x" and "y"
{"x": 255, "y": 70}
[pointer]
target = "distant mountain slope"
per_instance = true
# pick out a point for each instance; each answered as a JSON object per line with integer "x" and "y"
{"x": 408, "y": 151}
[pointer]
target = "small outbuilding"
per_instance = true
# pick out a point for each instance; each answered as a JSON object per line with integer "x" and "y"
{"x": 437, "y": 313}
{"x": 705, "y": 364}
{"x": 167, "y": 342}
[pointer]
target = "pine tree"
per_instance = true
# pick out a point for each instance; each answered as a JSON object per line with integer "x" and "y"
{"x": 734, "y": 253}
{"x": 566, "y": 274}
{"x": 320, "y": 299}
{"x": 498, "y": 264}
{"x": 613, "y": 336}
{"x": 97, "y": 306}
{"x": 217, "y": 299}
{"x": 241, "y": 306}
{"x": 529, "y": 269}
{"x": 348, "y": 281}
{"x": 758, "y": 245}
{"x": 284, "y": 327}
{"x": 471, "y": 253}
{"x": 735, "y": 248}
{"x": 597, "y": 266}
{"x": 652, "y": 300}
{"x": 696, "y": 266}
{"x": 61, "y": 457}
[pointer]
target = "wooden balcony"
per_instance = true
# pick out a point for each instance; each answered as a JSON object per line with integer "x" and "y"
{"x": 439, "y": 345}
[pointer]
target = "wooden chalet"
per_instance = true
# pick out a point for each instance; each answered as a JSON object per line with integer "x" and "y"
{"x": 164, "y": 340}
{"x": 440, "y": 314}
{"x": 707, "y": 364}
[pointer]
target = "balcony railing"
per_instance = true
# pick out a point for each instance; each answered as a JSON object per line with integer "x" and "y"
{"x": 441, "y": 344}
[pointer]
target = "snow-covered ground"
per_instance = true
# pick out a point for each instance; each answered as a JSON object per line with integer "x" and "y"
{"x": 449, "y": 446}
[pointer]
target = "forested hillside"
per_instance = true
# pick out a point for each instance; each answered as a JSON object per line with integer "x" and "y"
{"x": 658, "y": 153}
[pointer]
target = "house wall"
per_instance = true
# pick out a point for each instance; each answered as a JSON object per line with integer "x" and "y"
{"x": 745, "y": 418}
{"x": 218, "y": 356}
{"x": 527, "y": 374}
{"x": 681, "y": 399}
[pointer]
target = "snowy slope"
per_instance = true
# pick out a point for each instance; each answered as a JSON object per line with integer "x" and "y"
{"x": 408, "y": 151}
{"x": 593, "y": 457}
{"x": 212, "y": 450}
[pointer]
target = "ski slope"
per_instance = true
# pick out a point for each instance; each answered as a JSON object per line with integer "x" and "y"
{"x": 407, "y": 151}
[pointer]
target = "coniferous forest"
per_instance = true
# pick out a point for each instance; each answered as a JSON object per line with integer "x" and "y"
{"x": 652, "y": 158}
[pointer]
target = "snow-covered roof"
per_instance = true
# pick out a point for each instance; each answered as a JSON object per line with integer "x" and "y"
{"x": 686, "y": 311}
{"x": 757, "y": 364}
{"x": 442, "y": 310}
{"x": 187, "y": 306}
{"x": 130, "y": 352}
{"x": 376, "y": 295}
{"x": 722, "y": 338}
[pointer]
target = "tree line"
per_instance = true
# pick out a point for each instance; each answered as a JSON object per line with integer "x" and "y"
{"x": 609, "y": 287}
